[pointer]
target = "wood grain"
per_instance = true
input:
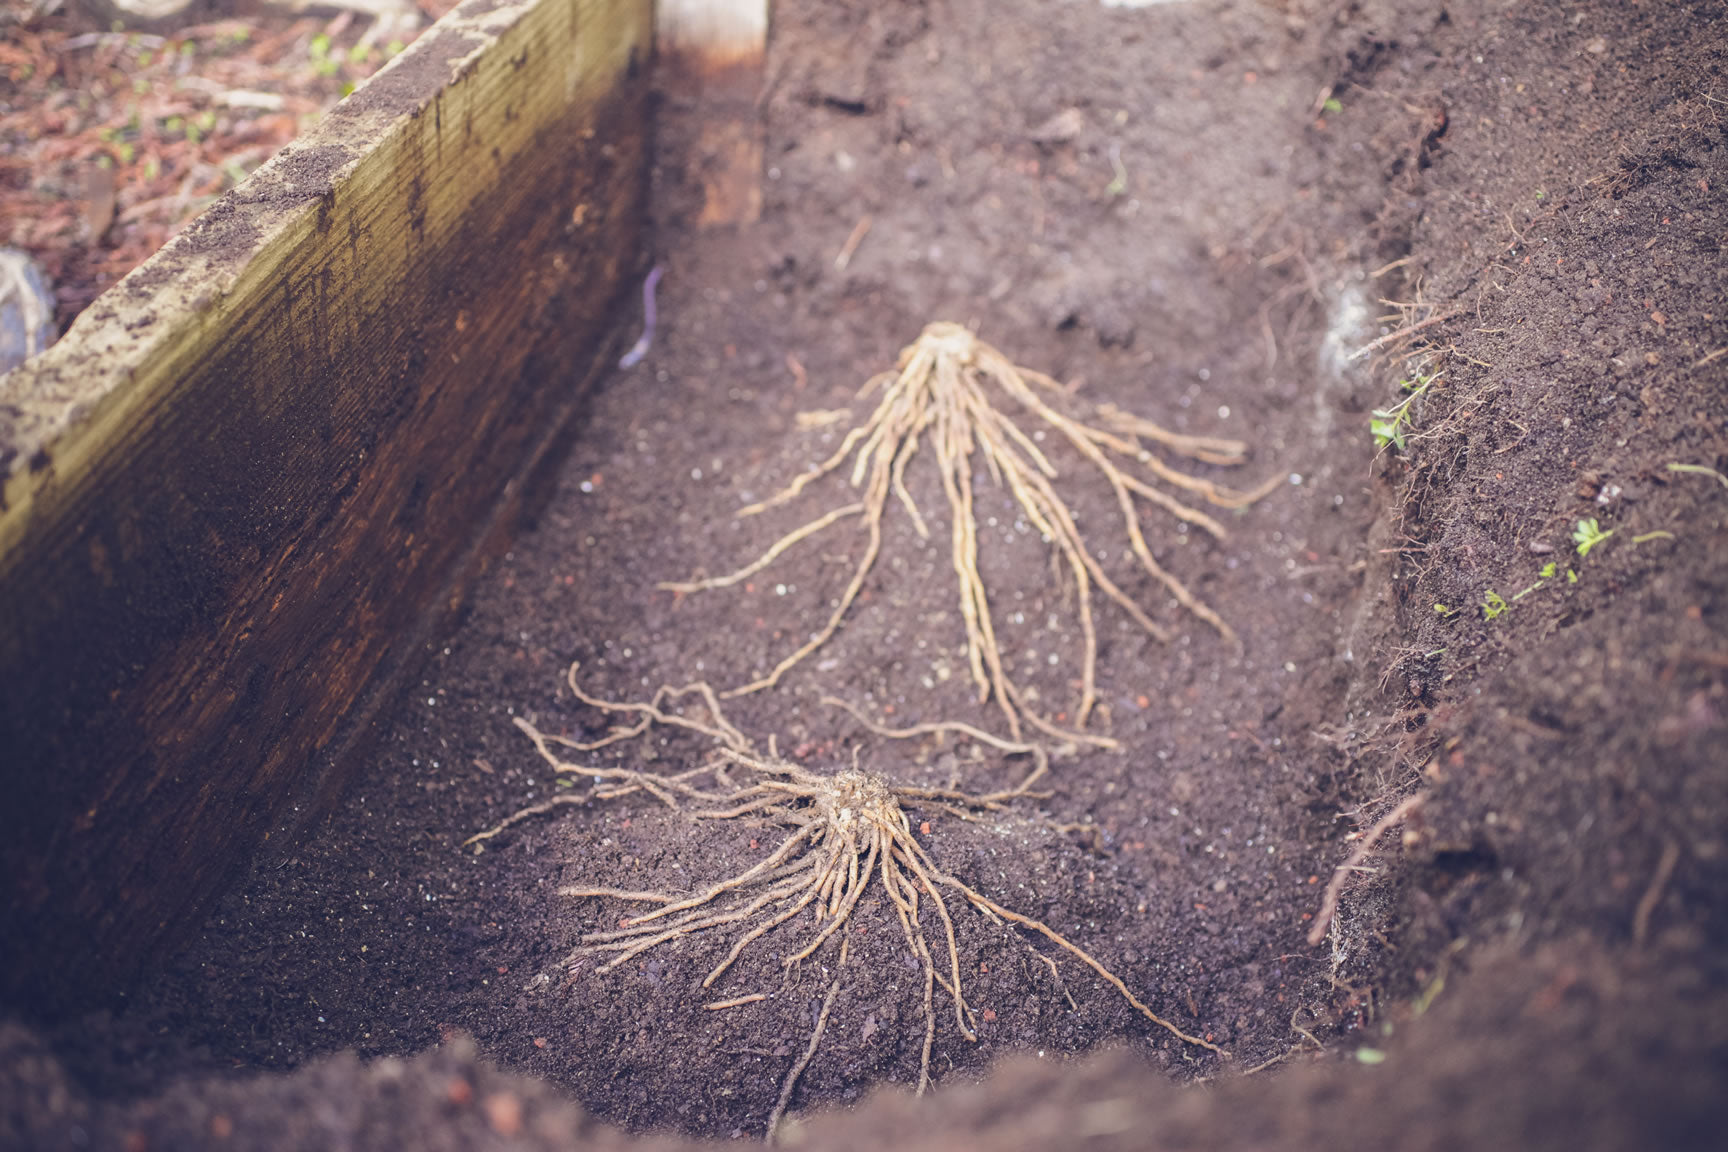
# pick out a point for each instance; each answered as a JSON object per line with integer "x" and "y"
{"x": 242, "y": 490}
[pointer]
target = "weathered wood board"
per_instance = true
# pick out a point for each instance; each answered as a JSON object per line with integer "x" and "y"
{"x": 241, "y": 489}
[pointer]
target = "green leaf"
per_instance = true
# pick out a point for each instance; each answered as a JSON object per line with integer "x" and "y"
{"x": 1588, "y": 534}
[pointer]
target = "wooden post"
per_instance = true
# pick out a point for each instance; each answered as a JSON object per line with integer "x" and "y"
{"x": 711, "y": 52}
{"x": 239, "y": 492}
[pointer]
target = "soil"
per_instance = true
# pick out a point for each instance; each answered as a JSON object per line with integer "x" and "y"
{"x": 114, "y": 139}
{"x": 1200, "y": 214}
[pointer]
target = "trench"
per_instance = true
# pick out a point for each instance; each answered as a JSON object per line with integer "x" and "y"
{"x": 1149, "y": 205}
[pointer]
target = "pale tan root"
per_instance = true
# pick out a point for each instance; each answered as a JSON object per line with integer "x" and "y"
{"x": 940, "y": 394}
{"x": 844, "y": 833}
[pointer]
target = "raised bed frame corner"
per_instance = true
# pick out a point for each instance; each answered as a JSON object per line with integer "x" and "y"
{"x": 242, "y": 491}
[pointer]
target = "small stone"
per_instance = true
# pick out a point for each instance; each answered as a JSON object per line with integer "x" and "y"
{"x": 504, "y": 1113}
{"x": 1061, "y": 128}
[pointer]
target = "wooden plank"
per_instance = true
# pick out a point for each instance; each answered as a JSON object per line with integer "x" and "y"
{"x": 238, "y": 490}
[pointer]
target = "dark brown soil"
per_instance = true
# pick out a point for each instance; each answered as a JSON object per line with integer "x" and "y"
{"x": 1533, "y": 959}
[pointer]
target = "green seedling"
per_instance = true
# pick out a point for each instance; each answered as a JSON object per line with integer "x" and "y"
{"x": 1494, "y": 604}
{"x": 1588, "y": 534}
{"x": 1571, "y": 576}
{"x": 323, "y": 63}
{"x": 1528, "y": 590}
{"x": 1118, "y": 185}
{"x": 1658, "y": 534}
{"x": 1387, "y": 431}
{"x": 1699, "y": 470}
{"x": 1437, "y": 985}
{"x": 1389, "y": 424}
{"x": 1332, "y": 105}
{"x": 1429, "y": 994}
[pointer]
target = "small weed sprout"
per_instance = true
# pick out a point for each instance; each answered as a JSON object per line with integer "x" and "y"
{"x": 1118, "y": 185}
{"x": 947, "y": 391}
{"x": 1388, "y": 424}
{"x": 1698, "y": 470}
{"x": 843, "y": 834}
{"x": 1587, "y": 535}
{"x": 1494, "y": 604}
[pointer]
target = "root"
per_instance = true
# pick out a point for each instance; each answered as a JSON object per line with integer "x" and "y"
{"x": 791, "y": 1080}
{"x": 942, "y": 391}
{"x": 844, "y": 833}
{"x": 1335, "y": 886}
